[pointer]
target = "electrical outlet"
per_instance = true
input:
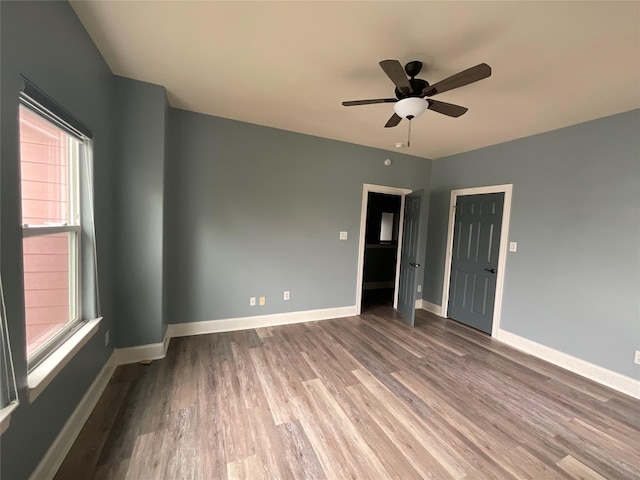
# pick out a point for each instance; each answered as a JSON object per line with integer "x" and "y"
{"x": 263, "y": 301}
{"x": 513, "y": 246}
{"x": 344, "y": 235}
{"x": 419, "y": 288}
{"x": 286, "y": 294}
{"x": 636, "y": 358}
{"x": 252, "y": 302}
{"x": 106, "y": 338}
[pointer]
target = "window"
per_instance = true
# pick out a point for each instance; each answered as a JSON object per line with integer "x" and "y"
{"x": 50, "y": 186}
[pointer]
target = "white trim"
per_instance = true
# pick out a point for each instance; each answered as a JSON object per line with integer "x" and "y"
{"x": 141, "y": 353}
{"x": 617, "y": 381}
{"x": 5, "y": 415}
{"x": 366, "y": 188}
{"x": 52, "y": 460}
{"x": 507, "y": 189}
{"x": 261, "y": 321}
{"x": 432, "y": 307}
{"x": 41, "y": 376}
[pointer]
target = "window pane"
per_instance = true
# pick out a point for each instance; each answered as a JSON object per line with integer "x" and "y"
{"x": 47, "y": 286}
{"x": 44, "y": 170}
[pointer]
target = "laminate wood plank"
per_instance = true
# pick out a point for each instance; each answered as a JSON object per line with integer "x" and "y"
{"x": 419, "y": 458}
{"x": 247, "y": 468}
{"x": 279, "y": 404}
{"x": 341, "y": 450}
{"x": 365, "y": 461}
{"x": 578, "y": 470}
{"x": 395, "y": 334}
{"x": 628, "y": 450}
{"x": 149, "y": 457}
{"x": 92, "y": 437}
{"x": 496, "y": 438}
{"x": 537, "y": 468}
{"x": 384, "y": 448}
{"x": 449, "y": 459}
{"x": 332, "y": 460}
{"x": 594, "y": 456}
{"x": 247, "y": 378}
{"x": 110, "y": 471}
{"x": 360, "y": 397}
{"x": 443, "y": 430}
{"x": 299, "y": 453}
{"x": 237, "y": 436}
{"x": 120, "y": 440}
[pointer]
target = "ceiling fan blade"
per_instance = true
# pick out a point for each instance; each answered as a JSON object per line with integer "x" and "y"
{"x": 393, "y": 121}
{"x": 352, "y": 103}
{"x": 445, "y": 108}
{"x": 461, "y": 79}
{"x": 395, "y": 72}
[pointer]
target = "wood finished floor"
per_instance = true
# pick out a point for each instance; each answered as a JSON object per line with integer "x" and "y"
{"x": 363, "y": 398}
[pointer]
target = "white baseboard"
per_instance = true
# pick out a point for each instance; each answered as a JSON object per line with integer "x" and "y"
{"x": 245, "y": 323}
{"x": 606, "y": 377}
{"x": 52, "y": 460}
{"x": 432, "y": 307}
{"x": 140, "y": 353}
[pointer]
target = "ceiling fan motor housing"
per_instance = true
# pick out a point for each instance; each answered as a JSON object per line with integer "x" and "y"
{"x": 417, "y": 85}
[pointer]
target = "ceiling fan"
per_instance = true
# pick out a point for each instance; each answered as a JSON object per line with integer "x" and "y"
{"x": 411, "y": 93}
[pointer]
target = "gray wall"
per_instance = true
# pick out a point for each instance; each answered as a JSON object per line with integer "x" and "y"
{"x": 140, "y": 128}
{"x": 258, "y": 211}
{"x": 46, "y": 43}
{"x": 574, "y": 282}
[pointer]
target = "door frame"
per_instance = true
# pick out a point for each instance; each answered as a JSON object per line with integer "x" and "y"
{"x": 366, "y": 188}
{"x": 507, "y": 189}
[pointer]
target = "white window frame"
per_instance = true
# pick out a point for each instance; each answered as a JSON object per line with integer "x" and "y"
{"x": 73, "y": 228}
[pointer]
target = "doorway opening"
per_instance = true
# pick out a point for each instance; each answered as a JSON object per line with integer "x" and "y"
{"x": 380, "y": 250}
{"x": 384, "y": 240}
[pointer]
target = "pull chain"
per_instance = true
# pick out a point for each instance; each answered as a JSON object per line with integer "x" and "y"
{"x": 409, "y": 137}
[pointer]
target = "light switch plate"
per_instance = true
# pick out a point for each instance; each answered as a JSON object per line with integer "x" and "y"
{"x": 344, "y": 235}
{"x": 636, "y": 358}
{"x": 513, "y": 246}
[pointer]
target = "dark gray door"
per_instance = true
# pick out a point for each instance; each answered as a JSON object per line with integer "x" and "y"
{"x": 474, "y": 262}
{"x": 408, "y": 265}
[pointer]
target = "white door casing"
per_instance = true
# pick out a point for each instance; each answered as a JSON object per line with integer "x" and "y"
{"x": 366, "y": 188}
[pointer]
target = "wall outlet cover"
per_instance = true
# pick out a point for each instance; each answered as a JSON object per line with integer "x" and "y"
{"x": 344, "y": 235}
{"x": 252, "y": 302}
{"x": 263, "y": 301}
{"x": 286, "y": 295}
{"x": 636, "y": 357}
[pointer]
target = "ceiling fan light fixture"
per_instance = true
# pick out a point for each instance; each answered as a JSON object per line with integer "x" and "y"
{"x": 410, "y": 107}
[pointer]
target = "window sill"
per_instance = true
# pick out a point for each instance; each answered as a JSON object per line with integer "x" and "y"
{"x": 5, "y": 416}
{"x": 41, "y": 376}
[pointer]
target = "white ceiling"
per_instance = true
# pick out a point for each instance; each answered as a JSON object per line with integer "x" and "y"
{"x": 289, "y": 65}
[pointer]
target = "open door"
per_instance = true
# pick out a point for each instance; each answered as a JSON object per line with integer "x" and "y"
{"x": 408, "y": 267}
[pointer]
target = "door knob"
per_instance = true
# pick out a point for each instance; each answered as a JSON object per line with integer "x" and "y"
{"x": 415, "y": 265}
{"x": 490, "y": 270}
